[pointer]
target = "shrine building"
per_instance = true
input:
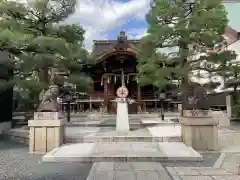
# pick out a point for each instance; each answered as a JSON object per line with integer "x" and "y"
{"x": 117, "y": 60}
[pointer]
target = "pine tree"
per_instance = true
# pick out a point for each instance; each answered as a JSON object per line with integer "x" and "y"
{"x": 183, "y": 35}
{"x": 231, "y": 78}
{"x": 36, "y": 34}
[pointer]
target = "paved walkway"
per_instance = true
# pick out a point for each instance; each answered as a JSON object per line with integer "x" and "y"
{"x": 17, "y": 164}
{"x": 201, "y": 173}
{"x": 231, "y": 162}
{"x": 155, "y": 171}
{"x": 128, "y": 171}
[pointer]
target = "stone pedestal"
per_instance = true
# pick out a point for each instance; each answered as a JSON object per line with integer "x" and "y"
{"x": 122, "y": 123}
{"x": 46, "y": 132}
{"x": 200, "y": 131}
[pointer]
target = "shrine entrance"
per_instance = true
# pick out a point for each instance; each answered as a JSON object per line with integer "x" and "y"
{"x": 113, "y": 56}
{"x": 116, "y": 61}
{"x": 128, "y": 81}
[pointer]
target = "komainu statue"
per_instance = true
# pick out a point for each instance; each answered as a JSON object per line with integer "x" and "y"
{"x": 48, "y": 97}
{"x": 197, "y": 100}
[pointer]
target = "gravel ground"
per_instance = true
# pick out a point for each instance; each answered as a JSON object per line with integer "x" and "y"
{"x": 17, "y": 164}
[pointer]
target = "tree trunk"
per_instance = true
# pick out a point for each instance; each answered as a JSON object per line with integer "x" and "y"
{"x": 235, "y": 94}
{"x": 45, "y": 75}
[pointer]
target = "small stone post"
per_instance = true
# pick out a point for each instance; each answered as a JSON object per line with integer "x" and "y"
{"x": 179, "y": 107}
{"x": 46, "y": 132}
{"x": 229, "y": 105}
{"x": 199, "y": 130}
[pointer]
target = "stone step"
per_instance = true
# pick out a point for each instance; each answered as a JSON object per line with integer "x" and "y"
{"x": 133, "y": 123}
{"x": 91, "y": 135}
{"x": 94, "y": 139}
{"x": 98, "y": 116}
{"x": 123, "y": 151}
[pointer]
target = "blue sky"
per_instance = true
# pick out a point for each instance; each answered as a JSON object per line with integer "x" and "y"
{"x": 104, "y": 19}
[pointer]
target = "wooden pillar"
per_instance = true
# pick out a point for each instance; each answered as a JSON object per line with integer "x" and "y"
{"x": 90, "y": 103}
{"x": 105, "y": 94}
{"x": 139, "y": 97}
{"x": 78, "y": 109}
{"x": 155, "y": 98}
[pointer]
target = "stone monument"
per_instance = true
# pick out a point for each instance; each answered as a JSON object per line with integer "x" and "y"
{"x": 47, "y": 129}
{"x": 199, "y": 128}
{"x": 122, "y": 121}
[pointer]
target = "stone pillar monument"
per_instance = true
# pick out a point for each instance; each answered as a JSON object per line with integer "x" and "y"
{"x": 122, "y": 123}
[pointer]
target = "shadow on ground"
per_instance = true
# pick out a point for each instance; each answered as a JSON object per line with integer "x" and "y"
{"x": 17, "y": 164}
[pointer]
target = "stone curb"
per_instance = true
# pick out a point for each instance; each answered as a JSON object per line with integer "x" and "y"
{"x": 119, "y": 159}
{"x": 220, "y": 160}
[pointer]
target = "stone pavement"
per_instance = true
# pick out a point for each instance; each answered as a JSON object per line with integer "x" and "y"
{"x": 155, "y": 171}
{"x": 128, "y": 171}
{"x": 231, "y": 162}
{"x": 17, "y": 164}
{"x": 201, "y": 173}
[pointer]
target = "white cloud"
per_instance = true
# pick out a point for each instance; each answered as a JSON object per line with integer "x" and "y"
{"x": 136, "y": 33}
{"x": 99, "y": 17}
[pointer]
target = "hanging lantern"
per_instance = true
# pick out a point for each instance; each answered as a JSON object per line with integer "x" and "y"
{"x": 102, "y": 81}
{"x": 108, "y": 79}
{"x": 127, "y": 79}
{"x": 137, "y": 80}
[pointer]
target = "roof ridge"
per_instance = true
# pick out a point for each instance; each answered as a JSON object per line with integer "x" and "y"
{"x": 112, "y": 41}
{"x": 233, "y": 29}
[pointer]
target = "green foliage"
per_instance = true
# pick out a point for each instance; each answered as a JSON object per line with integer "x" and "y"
{"x": 236, "y": 110}
{"x": 34, "y": 33}
{"x": 182, "y": 34}
{"x": 83, "y": 83}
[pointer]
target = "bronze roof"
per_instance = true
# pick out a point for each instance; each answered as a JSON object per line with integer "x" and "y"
{"x": 102, "y": 47}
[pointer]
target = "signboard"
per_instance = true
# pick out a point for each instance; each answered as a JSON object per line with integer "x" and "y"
{"x": 46, "y": 116}
{"x": 122, "y": 92}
